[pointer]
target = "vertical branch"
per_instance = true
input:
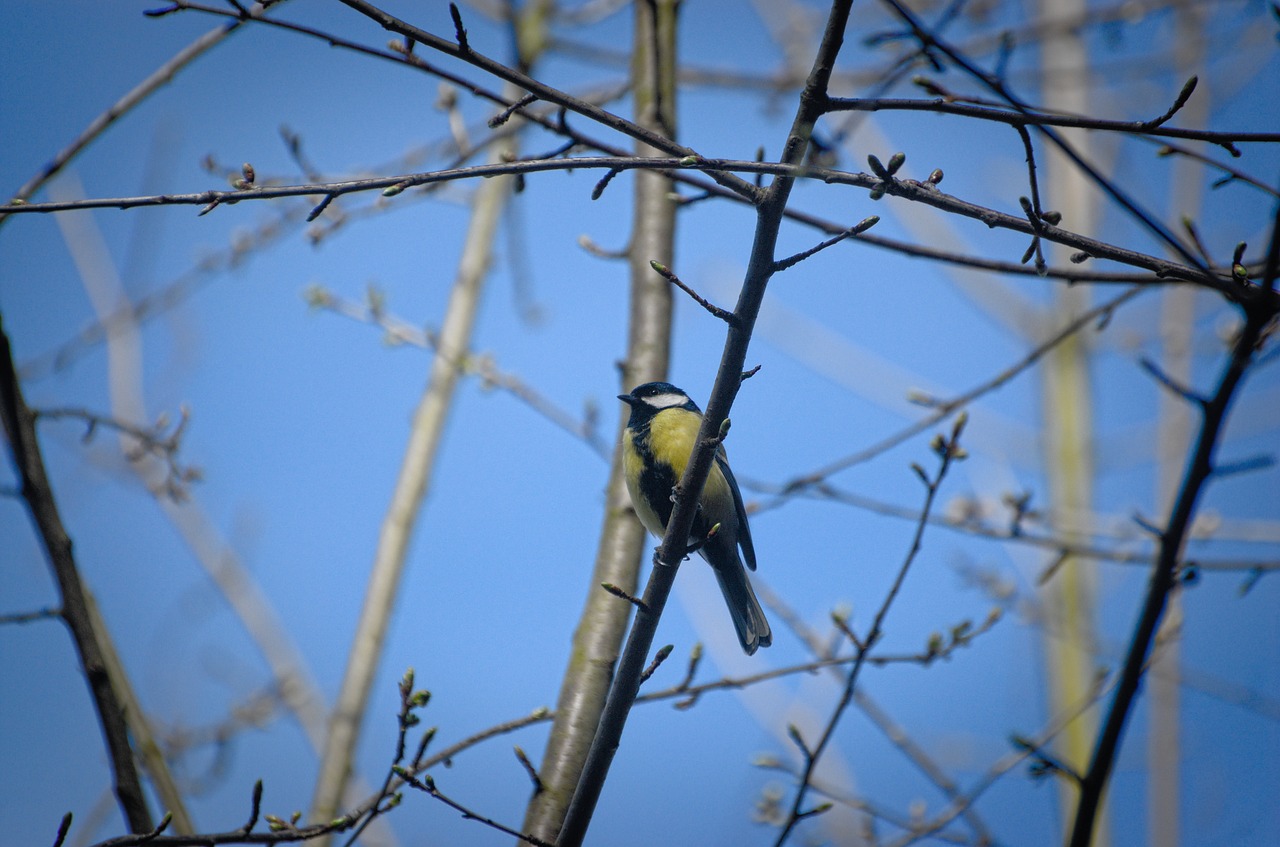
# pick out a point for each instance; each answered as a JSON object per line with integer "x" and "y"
{"x": 598, "y": 637}
{"x": 19, "y": 427}
{"x": 771, "y": 203}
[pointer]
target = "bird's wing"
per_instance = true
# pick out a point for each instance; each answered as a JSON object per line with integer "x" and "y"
{"x": 744, "y": 529}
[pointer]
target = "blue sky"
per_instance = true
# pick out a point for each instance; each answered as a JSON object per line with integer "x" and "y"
{"x": 299, "y": 420}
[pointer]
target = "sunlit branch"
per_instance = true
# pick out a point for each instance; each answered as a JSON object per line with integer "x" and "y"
{"x": 479, "y": 365}
{"x": 944, "y": 409}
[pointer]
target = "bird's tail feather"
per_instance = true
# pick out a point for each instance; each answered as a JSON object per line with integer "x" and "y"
{"x": 748, "y": 617}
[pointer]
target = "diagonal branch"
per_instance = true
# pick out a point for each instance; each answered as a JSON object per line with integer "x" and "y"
{"x": 540, "y": 89}
{"x": 158, "y": 78}
{"x": 19, "y": 427}
{"x": 945, "y": 409}
{"x": 1031, "y": 117}
{"x": 760, "y": 268}
{"x": 1260, "y": 311}
{"x": 949, "y": 450}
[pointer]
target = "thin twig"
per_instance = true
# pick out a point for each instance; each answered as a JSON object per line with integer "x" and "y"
{"x": 1032, "y": 117}
{"x": 933, "y": 41}
{"x": 479, "y": 365}
{"x": 44, "y": 614}
{"x": 948, "y": 450}
{"x": 428, "y": 785}
{"x": 158, "y": 78}
{"x": 855, "y": 230}
{"x": 973, "y": 526}
{"x": 670, "y": 276}
{"x": 945, "y": 409}
{"x": 1003, "y": 766}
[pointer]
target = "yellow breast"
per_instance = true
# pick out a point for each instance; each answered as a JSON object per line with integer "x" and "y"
{"x": 672, "y": 435}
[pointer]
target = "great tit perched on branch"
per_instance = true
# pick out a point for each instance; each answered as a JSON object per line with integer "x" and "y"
{"x": 656, "y": 446}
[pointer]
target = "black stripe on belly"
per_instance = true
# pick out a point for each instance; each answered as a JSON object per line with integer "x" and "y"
{"x": 656, "y": 484}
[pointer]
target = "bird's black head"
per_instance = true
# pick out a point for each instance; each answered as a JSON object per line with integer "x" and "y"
{"x": 652, "y": 397}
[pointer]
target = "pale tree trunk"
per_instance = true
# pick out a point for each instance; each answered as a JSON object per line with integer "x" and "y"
{"x": 1173, "y": 439}
{"x": 427, "y": 430}
{"x": 598, "y": 637}
{"x": 1069, "y": 598}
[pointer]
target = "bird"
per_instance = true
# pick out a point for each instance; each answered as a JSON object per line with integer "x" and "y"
{"x": 656, "y": 446}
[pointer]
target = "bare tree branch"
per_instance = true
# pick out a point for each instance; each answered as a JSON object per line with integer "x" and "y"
{"x": 1031, "y": 117}
{"x": 1259, "y": 313}
{"x": 158, "y": 78}
{"x": 19, "y": 427}
{"x": 773, "y": 201}
{"x": 948, "y": 450}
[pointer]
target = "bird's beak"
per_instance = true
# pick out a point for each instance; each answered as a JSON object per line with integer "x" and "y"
{"x": 628, "y": 399}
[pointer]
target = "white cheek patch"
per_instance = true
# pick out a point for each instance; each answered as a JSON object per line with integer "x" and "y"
{"x": 666, "y": 401}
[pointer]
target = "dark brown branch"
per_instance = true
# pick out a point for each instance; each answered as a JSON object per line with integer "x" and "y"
{"x": 931, "y": 41}
{"x": 1260, "y": 311}
{"x": 670, "y": 276}
{"x": 532, "y": 772}
{"x": 1181, "y": 100}
{"x": 623, "y": 595}
{"x": 855, "y": 230}
{"x": 943, "y": 106}
{"x": 29, "y": 617}
{"x": 1031, "y": 206}
{"x": 427, "y": 785}
{"x": 658, "y": 658}
{"x": 541, "y": 90}
{"x": 1232, "y": 174}
{"x": 769, "y": 216}
{"x": 19, "y": 427}
{"x": 1171, "y": 384}
{"x": 63, "y": 828}
{"x": 919, "y": 192}
{"x": 948, "y": 450}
